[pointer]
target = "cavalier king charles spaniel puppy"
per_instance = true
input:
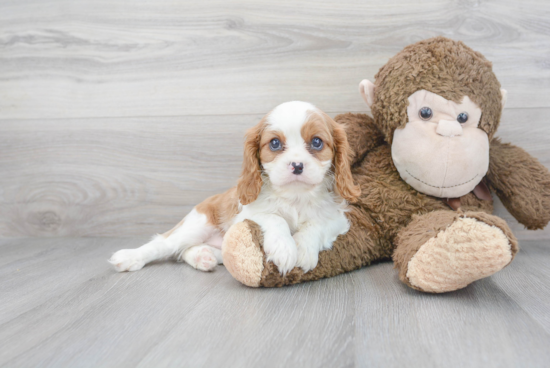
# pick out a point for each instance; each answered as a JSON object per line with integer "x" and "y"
{"x": 295, "y": 183}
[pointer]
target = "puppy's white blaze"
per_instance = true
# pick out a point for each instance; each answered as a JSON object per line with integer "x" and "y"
{"x": 289, "y": 116}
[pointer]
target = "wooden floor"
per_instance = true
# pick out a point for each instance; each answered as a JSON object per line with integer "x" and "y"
{"x": 63, "y": 306}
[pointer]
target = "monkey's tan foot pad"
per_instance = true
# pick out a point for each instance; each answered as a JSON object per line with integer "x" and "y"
{"x": 467, "y": 250}
{"x": 242, "y": 254}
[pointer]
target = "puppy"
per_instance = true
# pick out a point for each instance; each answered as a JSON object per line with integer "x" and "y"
{"x": 295, "y": 184}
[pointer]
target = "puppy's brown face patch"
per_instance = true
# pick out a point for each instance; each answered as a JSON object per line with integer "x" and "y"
{"x": 317, "y": 127}
{"x": 267, "y": 154}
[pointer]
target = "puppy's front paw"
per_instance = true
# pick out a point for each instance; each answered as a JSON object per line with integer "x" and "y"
{"x": 308, "y": 254}
{"x": 307, "y": 259}
{"x": 127, "y": 260}
{"x": 281, "y": 249}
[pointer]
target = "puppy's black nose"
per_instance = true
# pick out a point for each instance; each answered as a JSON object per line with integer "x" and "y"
{"x": 298, "y": 168}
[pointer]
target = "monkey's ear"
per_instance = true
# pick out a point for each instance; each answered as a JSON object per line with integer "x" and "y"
{"x": 250, "y": 182}
{"x": 504, "y": 94}
{"x": 366, "y": 87}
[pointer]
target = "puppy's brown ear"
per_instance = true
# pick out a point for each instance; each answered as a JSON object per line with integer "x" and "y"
{"x": 250, "y": 182}
{"x": 342, "y": 165}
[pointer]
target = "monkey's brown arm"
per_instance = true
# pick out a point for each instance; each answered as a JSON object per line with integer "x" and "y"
{"x": 362, "y": 133}
{"x": 521, "y": 182}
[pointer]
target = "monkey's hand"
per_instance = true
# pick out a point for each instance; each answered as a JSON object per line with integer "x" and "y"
{"x": 521, "y": 182}
{"x": 362, "y": 134}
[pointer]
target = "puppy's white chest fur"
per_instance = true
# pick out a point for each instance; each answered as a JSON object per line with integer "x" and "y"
{"x": 297, "y": 223}
{"x": 302, "y": 208}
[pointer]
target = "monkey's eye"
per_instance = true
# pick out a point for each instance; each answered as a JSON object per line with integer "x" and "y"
{"x": 425, "y": 113}
{"x": 317, "y": 144}
{"x": 275, "y": 145}
{"x": 462, "y": 117}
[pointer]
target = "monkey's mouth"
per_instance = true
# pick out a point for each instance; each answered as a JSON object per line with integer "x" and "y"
{"x": 440, "y": 187}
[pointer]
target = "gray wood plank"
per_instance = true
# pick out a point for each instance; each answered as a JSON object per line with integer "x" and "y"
{"x": 310, "y": 325}
{"x": 87, "y": 177}
{"x": 171, "y": 315}
{"x": 480, "y": 326}
{"x": 165, "y": 58}
{"x": 527, "y": 280}
{"x": 48, "y": 268}
{"x": 104, "y": 307}
{"x": 139, "y": 176}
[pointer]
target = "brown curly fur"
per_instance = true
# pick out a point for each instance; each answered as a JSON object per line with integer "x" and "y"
{"x": 250, "y": 181}
{"x": 342, "y": 163}
{"x": 387, "y": 204}
{"x": 521, "y": 182}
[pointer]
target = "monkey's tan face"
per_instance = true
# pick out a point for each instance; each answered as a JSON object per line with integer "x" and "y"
{"x": 441, "y": 151}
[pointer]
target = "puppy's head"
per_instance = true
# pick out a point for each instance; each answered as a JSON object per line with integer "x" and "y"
{"x": 296, "y": 147}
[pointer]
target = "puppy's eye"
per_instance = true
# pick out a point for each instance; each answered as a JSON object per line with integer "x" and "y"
{"x": 425, "y": 113}
{"x": 462, "y": 117}
{"x": 275, "y": 144}
{"x": 317, "y": 144}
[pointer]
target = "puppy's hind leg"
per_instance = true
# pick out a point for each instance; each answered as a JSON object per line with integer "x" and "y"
{"x": 193, "y": 230}
{"x": 203, "y": 257}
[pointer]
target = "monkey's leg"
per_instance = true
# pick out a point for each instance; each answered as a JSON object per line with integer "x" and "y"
{"x": 244, "y": 258}
{"x": 445, "y": 251}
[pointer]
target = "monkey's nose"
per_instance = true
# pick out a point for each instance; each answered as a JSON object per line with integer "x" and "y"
{"x": 449, "y": 128}
{"x": 298, "y": 168}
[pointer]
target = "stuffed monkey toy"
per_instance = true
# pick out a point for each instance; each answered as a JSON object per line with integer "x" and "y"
{"x": 427, "y": 161}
